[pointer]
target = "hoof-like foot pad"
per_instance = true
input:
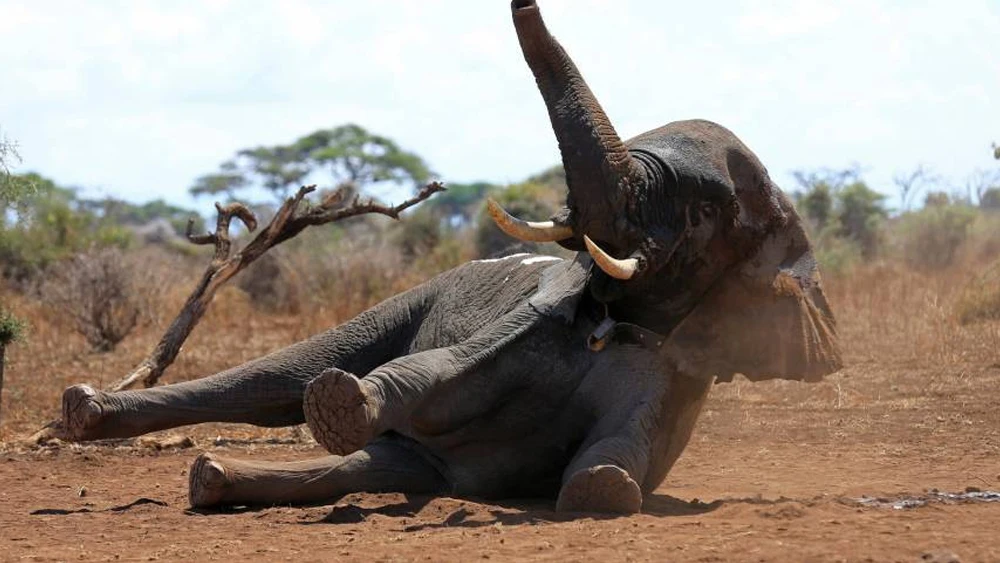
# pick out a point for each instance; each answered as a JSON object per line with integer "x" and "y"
{"x": 604, "y": 488}
{"x": 339, "y": 414}
{"x": 207, "y": 482}
{"x": 81, "y": 413}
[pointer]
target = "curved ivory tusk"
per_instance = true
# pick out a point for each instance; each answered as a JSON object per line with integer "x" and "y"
{"x": 618, "y": 269}
{"x": 542, "y": 231}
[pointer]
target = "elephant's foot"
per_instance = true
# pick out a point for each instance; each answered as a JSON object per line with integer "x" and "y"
{"x": 208, "y": 482}
{"x": 604, "y": 488}
{"x": 339, "y": 413}
{"x": 82, "y": 413}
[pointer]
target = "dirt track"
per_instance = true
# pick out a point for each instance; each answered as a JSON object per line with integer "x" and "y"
{"x": 773, "y": 474}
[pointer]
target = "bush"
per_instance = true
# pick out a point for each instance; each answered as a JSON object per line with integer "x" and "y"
{"x": 272, "y": 283}
{"x": 980, "y": 301}
{"x": 349, "y": 275}
{"x": 529, "y": 201}
{"x": 51, "y": 225}
{"x": 861, "y": 212}
{"x": 817, "y": 204}
{"x": 930, "y": 238}
{"x": 418, "y": 233}
{"x": 105, "y": 294}
{"x": 990, "y": 199}
{"x": 844, "y": 215}
{"x": 836, "y": 255}
{"x": 11, "y": 328}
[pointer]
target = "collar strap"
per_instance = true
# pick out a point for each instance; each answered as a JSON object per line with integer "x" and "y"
{"x": 626, "y": 333}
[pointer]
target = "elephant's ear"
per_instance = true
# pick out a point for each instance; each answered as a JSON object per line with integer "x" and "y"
{"x": 767, "y": 318}
{"x": 561, "y": 287}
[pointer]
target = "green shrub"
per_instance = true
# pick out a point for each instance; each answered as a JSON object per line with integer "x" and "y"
{"x": 11, "y": 328}
{"x": 861, "y": 211}
{"x": 51, "y": 225}
{"x": 817, "y": 204}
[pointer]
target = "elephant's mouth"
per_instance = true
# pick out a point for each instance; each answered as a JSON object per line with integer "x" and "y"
{"x": 549, "y": 231}
{"x": 649, "y": 256}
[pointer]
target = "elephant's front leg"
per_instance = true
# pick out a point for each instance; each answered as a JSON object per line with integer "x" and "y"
{"x": 630, "y": 394}
{"x": 647, "y": 420}
{"x": 606, "y": 472}
{"x": 385, "y": 466}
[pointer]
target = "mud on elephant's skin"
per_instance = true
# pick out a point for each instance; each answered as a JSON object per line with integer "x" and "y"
{"x": 691, "y": 266}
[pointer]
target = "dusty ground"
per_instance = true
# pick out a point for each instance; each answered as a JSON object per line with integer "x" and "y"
{"x": 773, "y": 473}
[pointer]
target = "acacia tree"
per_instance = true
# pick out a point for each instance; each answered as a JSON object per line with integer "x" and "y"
{"x": 348, "y": 155}
{"x": 13, "y": 189}
{"x": 351, "y": 154}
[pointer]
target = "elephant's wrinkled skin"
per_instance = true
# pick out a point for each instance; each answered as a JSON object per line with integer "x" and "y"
{"x": 481, "y": 382}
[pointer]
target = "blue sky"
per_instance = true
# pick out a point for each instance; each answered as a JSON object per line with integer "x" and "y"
{"x": 136, "y": 99}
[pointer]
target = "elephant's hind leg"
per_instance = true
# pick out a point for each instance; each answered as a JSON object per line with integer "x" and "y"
{"x": 383, "y": 466}
{"x": 340, "y": 412}
{"x": 267, "y": 391}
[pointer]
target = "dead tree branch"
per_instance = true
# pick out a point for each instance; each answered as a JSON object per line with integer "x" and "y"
{"x": 288, "y": 222}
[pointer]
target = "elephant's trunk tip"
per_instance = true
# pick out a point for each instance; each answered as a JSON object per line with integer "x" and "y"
{"x": 517, "y": 5}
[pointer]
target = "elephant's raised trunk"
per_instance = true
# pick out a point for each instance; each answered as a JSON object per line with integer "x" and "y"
{"x": 599, "y": 169}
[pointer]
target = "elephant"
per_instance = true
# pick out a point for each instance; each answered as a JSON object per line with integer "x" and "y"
{"x": 578, "y": 379}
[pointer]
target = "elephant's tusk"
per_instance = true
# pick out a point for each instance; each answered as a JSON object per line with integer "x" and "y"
{"x": 531, "y": 231}
{"x": 618, "y": 269}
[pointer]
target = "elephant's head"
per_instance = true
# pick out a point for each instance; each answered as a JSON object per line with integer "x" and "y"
{"x": 691, "y": 237}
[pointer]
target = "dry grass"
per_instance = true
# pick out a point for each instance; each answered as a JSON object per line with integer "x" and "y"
{"x": 903, "y": 343}
{"x": 980, "y": 299}
{"x": 915, "y": 376}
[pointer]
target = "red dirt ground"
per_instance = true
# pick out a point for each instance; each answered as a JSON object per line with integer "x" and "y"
{"x": 762, "y": 481}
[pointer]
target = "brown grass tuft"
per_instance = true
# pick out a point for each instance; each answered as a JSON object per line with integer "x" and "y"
{"x": 980, "y": 300}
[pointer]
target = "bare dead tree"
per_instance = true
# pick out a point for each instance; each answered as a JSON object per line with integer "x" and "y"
{"x": 288, "y": 222}
{"x": 913, "y": 182}
{"x": 834, "y": 178}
